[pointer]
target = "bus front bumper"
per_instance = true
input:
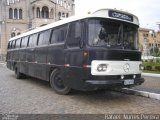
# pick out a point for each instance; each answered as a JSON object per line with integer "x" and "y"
{"x": 114, "y": 83}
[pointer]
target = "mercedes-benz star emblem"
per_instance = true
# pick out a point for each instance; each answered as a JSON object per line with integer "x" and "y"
{"x": 126, "y": 67}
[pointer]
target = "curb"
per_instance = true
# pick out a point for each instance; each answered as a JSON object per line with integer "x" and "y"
{"x": 150, "y": 75}
{"x": 3, "y": 64}
{"x": 140, "y": 93}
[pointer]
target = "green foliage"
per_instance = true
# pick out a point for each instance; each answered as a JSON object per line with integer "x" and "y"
{"x": 155, "y": 52}
{"x": 148, "y": 67}
{"x": 157, "y": 68}
{"x": 152, "y": 65}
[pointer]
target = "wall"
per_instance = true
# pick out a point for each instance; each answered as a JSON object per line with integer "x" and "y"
{"x": 8, "y": 26}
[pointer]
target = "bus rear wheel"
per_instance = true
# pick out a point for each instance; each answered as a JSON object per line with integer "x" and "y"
{"x": 18, "y": 74}
{"x": 57, "y": 84}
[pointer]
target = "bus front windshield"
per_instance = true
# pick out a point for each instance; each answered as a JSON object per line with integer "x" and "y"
{"x": 112, "y": 34}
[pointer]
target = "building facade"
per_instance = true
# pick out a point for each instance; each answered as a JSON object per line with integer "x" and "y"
{"x": 148, "y": 39}
{"x": 18, "y": 16}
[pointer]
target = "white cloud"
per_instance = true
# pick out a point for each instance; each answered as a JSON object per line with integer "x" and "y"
{"x": 148, "y": 11}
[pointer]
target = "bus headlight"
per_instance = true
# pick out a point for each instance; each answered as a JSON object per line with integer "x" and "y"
{"x": 141, "y": 67}
{"x": 102, "y": 67}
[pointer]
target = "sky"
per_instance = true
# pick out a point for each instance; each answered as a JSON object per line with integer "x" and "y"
{"x": 148, "y": 11}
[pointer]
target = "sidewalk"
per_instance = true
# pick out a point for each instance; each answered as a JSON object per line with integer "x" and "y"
{"x": 150, "y": 88}
{"x": 2, "y": 64}
{"x": 151, "y": 75}
{"x": 151, "y": 84}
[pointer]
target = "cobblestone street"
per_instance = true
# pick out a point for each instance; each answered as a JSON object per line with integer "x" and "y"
{"x": 35, "y": 96}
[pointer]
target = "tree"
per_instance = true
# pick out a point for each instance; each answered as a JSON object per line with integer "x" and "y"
{"x": 155, "y": 52}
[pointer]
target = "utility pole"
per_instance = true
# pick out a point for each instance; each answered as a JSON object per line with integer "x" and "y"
{"x": 55, "y": 10}
{"x": 0, "y": 23}
{"x": 29, "y": 15}
{"x": 154, "y": 36}
{"x": 3, "y": 33}
{"x": 158, "y": 23}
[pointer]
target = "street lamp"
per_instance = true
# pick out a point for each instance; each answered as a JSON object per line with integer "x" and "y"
{"x": 152, "y": 32}
{"x": 145, "y": 46}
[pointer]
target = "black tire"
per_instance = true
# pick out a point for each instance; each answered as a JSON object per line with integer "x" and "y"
{"x": 18, "y": 74}
{"x": 57, "y": 84}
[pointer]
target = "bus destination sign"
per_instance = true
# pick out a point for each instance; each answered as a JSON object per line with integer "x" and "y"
{"x": 121, "y": 16}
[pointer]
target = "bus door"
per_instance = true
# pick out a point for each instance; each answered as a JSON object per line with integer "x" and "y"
{"x": 73, "y": 53}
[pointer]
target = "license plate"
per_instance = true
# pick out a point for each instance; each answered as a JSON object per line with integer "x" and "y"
{"x": 128, "y": 82}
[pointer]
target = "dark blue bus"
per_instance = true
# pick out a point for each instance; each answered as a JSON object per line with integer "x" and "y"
{"x": 97, "y": 51}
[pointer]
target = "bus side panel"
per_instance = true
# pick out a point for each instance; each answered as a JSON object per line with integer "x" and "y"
{"x": 41, "y": 59}
{"x": 30, "y": 61}
{"x": 55, "y": 58}
{"x": 12, "y": 59}
{"x": 74, "y": 74}
{"x": 8, "y": 59}
{"x": 22, "y": 57}
{"x": 16, "y": 55}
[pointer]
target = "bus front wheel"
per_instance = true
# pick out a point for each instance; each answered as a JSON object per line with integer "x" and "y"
{"x": 57, "y": 84}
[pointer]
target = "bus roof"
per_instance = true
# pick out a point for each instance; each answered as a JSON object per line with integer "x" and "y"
{"x": 102, "y": 13}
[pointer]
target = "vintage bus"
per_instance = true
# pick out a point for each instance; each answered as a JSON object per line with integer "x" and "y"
{"x": 96, "y": 51}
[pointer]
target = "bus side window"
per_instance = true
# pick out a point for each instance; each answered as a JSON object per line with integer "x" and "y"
{"x": 9, "y": 45}
{"x": 13, "y": 44}
{"x": 24, "y": 42}
{"x": 44, "y": 37}
{"x": 74, "y": 34}
{"x": 33, "y": 40}
{"x": 18, "y": 43}
{"x": 59, "y": 34}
